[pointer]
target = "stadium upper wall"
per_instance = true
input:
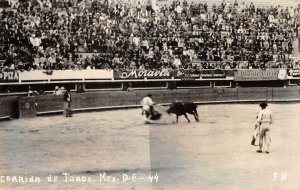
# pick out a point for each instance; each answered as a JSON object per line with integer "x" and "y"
{"x": 40, "y": 76}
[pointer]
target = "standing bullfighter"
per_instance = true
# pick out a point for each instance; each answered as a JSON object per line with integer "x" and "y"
{"x": 264, "y": 119}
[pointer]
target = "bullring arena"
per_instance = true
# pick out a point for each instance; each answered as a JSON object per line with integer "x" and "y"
{"x": 212, "y": 154}
{"x": 97, "y": 59}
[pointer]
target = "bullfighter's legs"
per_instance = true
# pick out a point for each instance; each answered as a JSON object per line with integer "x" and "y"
{"x": 146, "y": 116}
{"x": 267, "y": 141}
{"x": 261, "y": 137}
{"x": 151, "y": 110}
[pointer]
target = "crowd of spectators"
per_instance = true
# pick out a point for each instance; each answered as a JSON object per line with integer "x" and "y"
{"x": 94, "y": 34}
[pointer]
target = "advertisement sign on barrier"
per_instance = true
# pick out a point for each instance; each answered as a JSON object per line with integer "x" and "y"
{"x": 56, "y": 75}
{"x": 190, "y": 74}
{"x": 293, "y": 72}
{"x": 203, "y": 74}
{"x": 142, "y": 74}
{"x": 187, "y": 74}
{"x": 9, "y": 76}
{"x": 257, "y": 75}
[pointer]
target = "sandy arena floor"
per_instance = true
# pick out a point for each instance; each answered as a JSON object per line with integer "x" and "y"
{"x": 99, "y": 147}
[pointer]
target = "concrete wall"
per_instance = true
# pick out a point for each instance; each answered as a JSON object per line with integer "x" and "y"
{"x": 116, "y": 99}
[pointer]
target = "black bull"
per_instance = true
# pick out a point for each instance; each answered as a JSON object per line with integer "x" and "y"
{"x": 181, "y": 108}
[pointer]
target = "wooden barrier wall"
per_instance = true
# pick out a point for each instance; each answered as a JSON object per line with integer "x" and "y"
{"x": 9, "y": 107}
{"x": 123, "y": 99}
{"x": 115, "y": 99}
{"x": 27, "y": 107}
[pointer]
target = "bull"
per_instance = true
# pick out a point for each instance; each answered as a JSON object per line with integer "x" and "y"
{"x": 181, "y": 108}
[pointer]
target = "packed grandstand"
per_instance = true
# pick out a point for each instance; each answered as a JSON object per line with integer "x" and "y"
{"x": 84, "y": 34}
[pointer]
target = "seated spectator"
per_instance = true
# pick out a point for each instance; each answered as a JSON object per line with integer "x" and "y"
{"x": 50, "y": 34}
{"x": 58, "y": 91}
{"x": 80, "y": 89}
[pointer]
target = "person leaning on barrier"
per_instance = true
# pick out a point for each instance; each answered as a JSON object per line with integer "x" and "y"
{"x": 129, "y": 89}
{"x": 67, "y": 103}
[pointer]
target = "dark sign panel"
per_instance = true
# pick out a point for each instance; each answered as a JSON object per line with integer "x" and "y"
{"x": 203, "y": 74}
{"x": 9, "y": 76}
{"x": 187, "y": 74}
{"x": 142, "y": 74}
{"x": 190, "y": 74}
{"x": 293, "y": 72}
{"x": 215, "y": 73}
{"x": 256, "y": 75}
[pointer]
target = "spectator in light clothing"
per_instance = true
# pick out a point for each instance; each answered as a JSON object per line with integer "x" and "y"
{"x": 138, "y": 10}
{"x": 57, "y": 91}
{"x": 177, "y": 62}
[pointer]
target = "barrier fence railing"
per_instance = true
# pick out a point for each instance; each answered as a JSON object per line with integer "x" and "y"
{"x": 37, "y": 105}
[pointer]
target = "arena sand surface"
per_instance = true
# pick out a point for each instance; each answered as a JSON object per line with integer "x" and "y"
{"x": 214, "y": 154}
